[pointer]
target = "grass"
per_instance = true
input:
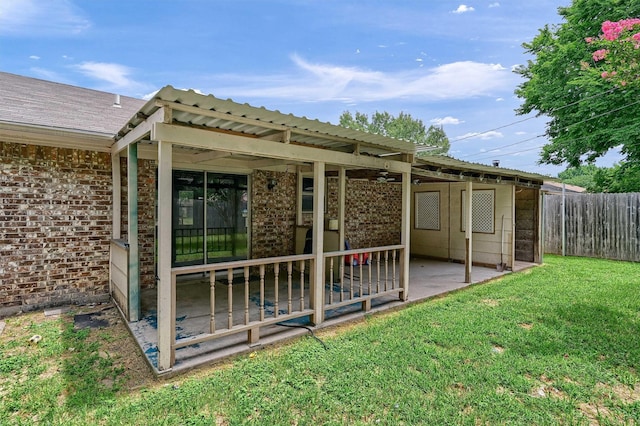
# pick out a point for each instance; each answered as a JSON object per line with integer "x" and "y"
{"x": 559, "y": 344}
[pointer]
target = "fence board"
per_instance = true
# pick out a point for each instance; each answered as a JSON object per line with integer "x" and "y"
{"x": 596, "y": 225}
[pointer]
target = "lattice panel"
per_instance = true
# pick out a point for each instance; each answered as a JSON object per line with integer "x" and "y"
{"x": 427, "y": 210}
{"x": 483, "y": 211}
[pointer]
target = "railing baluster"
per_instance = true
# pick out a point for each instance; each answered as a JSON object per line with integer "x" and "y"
{"x": 302, "y": 263}
{"x": 212, "y": 301}
{"x": 386, "y": 270}
{"x": 262, "y": 269}
{"x": 276, "y": 273}
{"x": 369, "y": 271}
{"x": 361, "y": 258}
{"x": 342, "y": 278}
{"x": 230, "y": 295}
{"x": 246, "y": 295}
{"x": 289, "y": 284}
{"x": 350, "y": 276}
{"x": 331, "y": 280}
{"x": 393, "y": 269}
{"x": 378, "y": 270}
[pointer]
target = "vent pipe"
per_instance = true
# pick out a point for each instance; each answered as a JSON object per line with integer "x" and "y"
{"x": 116, "y": 102}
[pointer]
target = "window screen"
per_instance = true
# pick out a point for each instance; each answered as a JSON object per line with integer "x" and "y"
{"x": 427, "y": 210}
{"x": 482, "y": 218}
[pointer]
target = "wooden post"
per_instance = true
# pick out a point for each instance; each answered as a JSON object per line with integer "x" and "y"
{"x": 342, "y": 191}
{"x": 317, "y": 273}
{"x": 116, "y": 192}
{"x": 132, "y": 233}
{"x": 405, "y": 234}
{"x": 468, "y": 258}
{"x": 166, "y": 316}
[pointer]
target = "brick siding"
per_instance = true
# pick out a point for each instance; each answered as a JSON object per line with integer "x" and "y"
{"x": 55, "y": 226}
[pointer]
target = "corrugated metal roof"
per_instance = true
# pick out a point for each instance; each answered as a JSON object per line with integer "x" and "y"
{"x": 30, "y": 101}
{"x": 259, "y": 121}
{"x": 454, "y": 166}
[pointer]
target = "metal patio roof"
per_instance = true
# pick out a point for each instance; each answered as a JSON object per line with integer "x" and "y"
{"x": 206, "y": 111}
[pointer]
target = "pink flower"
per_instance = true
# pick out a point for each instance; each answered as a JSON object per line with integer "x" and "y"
{"x": 605, "y": 74}
{"x": 599, "y": 55}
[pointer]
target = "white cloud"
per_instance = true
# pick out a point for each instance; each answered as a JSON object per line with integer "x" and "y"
{"x": 35, "y": 18}
{"x": 116, "y": 76}
{"x": 446, "y": 120}
{"x": 463, "y": 8}
{"x": 325, "y": 82}
{"x": 499, "y": 99}
{"x": 483, "y": 136}
{"x": 34, "y": 57}
{"x": 496, "y": 4}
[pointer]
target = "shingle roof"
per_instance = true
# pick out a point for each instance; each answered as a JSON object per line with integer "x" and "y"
{"x": 30, "y": 101}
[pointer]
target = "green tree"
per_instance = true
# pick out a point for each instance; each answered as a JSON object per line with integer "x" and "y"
{"x": 589, "y": 115}
{"x": 580, "y": 176}
{"x": 404, "y": 127}
{"x": 624, "y": 177}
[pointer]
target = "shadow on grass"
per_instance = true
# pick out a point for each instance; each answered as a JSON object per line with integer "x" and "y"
{"x": 591, "y": 332}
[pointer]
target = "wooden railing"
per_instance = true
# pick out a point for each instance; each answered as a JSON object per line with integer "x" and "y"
{"x": 268, "y": 275}
{"x": 362, "y": 275}
{"x": 285, "y": 286}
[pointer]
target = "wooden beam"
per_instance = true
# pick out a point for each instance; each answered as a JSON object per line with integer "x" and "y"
{"x": 284, "y": 137}
{"x": 200, "y": 138}
{"x": 201, "y": 157}
{"x": 468, "y": 234}
{"x": 132, "y": 233}
{"x": 141, "y": 130}
{"x": 405, "y": 229}
{"x": 317, "y": 277}
{"x": 116, "y": 194}
{"x": 165, "y": 288}
{"x": 342, "y": 196}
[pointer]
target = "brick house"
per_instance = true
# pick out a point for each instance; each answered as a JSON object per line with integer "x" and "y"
{"x": 107, "y": 196}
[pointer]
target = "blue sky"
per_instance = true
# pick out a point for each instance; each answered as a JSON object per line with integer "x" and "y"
{"x": 442, "y": 61}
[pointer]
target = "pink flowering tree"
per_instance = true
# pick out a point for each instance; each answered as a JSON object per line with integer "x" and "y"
{"x": 617, "y": 53}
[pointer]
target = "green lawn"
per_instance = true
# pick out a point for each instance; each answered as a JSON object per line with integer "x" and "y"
{"x": 559, "y": 344}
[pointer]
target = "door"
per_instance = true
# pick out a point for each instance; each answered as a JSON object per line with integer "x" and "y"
{"x": 209, "y": 217}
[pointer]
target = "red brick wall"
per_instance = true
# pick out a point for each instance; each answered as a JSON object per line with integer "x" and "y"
{"x": 273, "y": 216}
{"x": 146, "y": 216}
{"x": 55, "y": 226}
{"x": 373, "y": 213}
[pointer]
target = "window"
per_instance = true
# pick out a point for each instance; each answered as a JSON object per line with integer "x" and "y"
{"x": 427, "y": 210}
{"x": 307, "y": 195}
{"x": 483, "y": 214}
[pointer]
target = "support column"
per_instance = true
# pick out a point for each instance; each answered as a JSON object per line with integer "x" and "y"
{"x": 513, "y": 227}
{"x": 405, "y": 235}
{"x": 132, "y": 232}
{"x": 468, "y": 258}
{"x": 317, "y": 273}
{"x": 116, "y": 191}
{"x": 166, "y": 316}
{"x": 342, "y": 191}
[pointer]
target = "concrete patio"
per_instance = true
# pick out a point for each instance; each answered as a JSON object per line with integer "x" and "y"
{"x": 428, "y": 278}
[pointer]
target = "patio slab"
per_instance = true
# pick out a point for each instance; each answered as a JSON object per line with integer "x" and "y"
{"x": 428, "y": 278}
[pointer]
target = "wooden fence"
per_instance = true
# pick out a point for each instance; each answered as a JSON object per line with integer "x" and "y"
{"x": 595, "y": 225}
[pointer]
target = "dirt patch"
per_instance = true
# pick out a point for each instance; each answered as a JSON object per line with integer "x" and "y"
{"x": 116, "y": 343}
{"x": 110, "y": 332}
{"x": 526, "y": 325}
{"x": 598, "y": 411}
{"x": 490, "y": 302}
